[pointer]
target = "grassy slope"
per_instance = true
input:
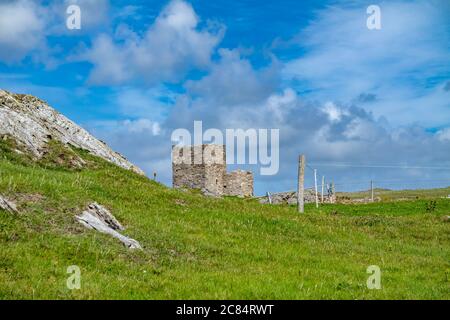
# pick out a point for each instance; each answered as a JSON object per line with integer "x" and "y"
{"x": 198, "y": 247}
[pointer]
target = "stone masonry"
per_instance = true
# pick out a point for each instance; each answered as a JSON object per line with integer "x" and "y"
{"x": 204, "y": 167}
{"x": 290, "y": 197}
{"x": 238, "y": 183}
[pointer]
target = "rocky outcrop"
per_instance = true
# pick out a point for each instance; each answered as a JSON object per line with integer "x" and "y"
{"x": 98, "y": 218}
{"x": 33, "y": 123}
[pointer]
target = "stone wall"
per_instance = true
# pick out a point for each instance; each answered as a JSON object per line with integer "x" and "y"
{"x": 238, "y": 183}
{"x": 199, "y": 167}
{"x": 290, "y": 197}
{"x": 204, "y": 167}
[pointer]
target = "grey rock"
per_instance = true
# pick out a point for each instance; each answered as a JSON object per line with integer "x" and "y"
{"x": 290, "y": 197}
{"x": 33, "y": 123}
{"x": 7, "y": 205}
{"x": 104, "y": 215}
{"x": 97, "y": 217}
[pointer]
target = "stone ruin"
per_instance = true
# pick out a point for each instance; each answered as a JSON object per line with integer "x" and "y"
{"x": 204, "y": 167}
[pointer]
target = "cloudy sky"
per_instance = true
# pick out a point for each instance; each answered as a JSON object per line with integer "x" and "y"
{"x": 361, "y": 104}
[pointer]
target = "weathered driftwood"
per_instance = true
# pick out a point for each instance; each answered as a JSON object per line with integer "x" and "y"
{"x": 7, "y": 205}
{"x": 98, "y": 218}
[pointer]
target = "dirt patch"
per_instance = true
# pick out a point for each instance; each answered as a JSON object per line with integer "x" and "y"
{"x": 23, "y": 198}
{"x": 348, "y": 200}
{"x": 180, "y": 202}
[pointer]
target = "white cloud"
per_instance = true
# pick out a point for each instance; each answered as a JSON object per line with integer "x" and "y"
{"x": 142, "y": 125}
{"x": 444, "y": 134}
{"x": 343, "y": 60}
{"x": 139, "y": 126}
{"x": 171, "y": 46}
{"x": 109, "y": 61}
{"x": 233, "y": 80}
{"x": 281, "y": 104}
{"x": 128, "y": 11}
{"x": 334, "y": 113}
{"x": 22, "y": 29}
{"x": 154, "y": 103}
{"x": 141, "y": 140}
{"x": 26, "y": 25}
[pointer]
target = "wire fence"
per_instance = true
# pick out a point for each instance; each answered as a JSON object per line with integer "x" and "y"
{"x": 371, "y": 189}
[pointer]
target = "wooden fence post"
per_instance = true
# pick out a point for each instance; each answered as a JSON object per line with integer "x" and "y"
{"x": 301, "y": 184}
{"x": 323, "y": 186}
{"x": 315, "y": 188}
{"x": 371, "y": 189}
{"x": 269, "y": 197}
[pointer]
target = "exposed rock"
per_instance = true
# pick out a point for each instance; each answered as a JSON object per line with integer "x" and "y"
{"x": 289, "y": 197}
{"x": 33, "y": 123}
{"x": 348, "y": 200}
{"x": 104, "y": 215}
{"x": 7, "y": 205}
{"x": 98, "y": 218}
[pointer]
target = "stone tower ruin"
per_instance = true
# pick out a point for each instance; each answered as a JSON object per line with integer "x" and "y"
{"x": 204, "y": 167}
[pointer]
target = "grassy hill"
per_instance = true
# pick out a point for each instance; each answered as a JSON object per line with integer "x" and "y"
{"x": 206, "y": 248}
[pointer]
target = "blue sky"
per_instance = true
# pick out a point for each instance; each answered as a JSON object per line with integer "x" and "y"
{"x": 338, "y": 92}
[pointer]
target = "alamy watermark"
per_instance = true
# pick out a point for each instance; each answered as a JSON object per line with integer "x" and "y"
{"x": 374, "y": 20}
{"x": 73, "y": 21}
{"x": 374, "y": 280}
{"x": 74, "y": 280}
{"x": 258, "y": 143}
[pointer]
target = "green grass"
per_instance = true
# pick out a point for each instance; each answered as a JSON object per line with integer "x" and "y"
{"x": 206, "y": 248}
